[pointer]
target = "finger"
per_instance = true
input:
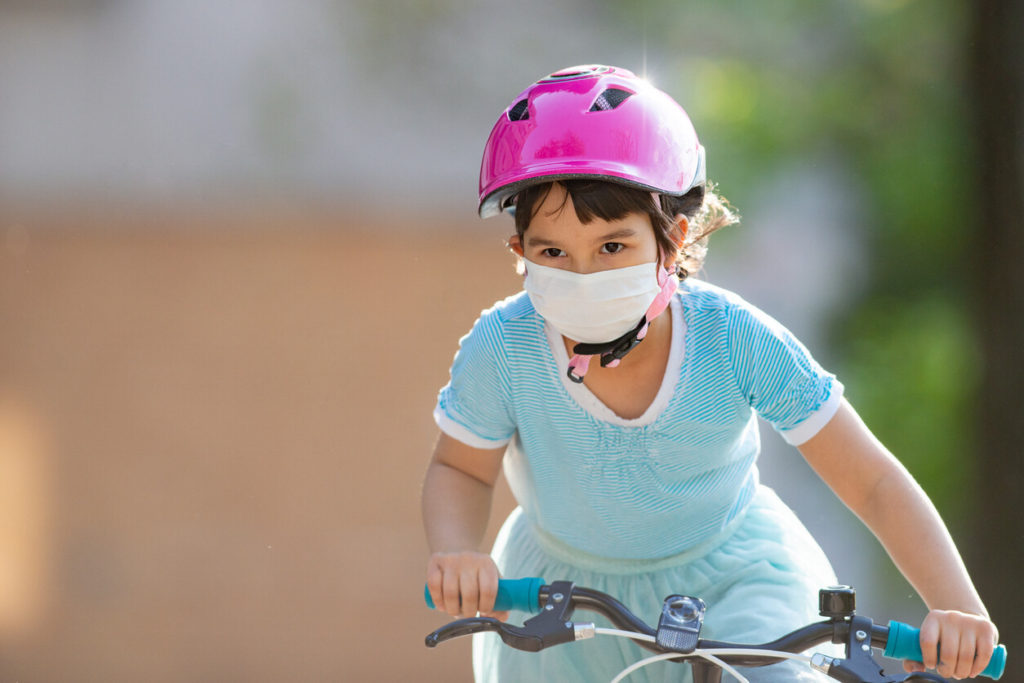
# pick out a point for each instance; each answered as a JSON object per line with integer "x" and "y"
{"x": 450, "y": 592}
{"x": 930, "y": 643}
{"x": 500, "y": 616}
{"x": 949, "y": 646}
{"x": 434, "y": 585}
{"x": 488, "y": 586}
{"x": 965, "y": 655}
{"x": 468, "y": 586}
{"x": 982, "y": 656}
{"x": 912, "y": 667}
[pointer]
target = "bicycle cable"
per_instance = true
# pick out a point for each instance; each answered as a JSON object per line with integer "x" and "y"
{"x": 632, "y": 635}
{"x": 675, "y": 655}
{"x": 708, "y": 654}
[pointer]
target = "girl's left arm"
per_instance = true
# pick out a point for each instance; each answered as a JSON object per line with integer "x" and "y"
{"x": 879, "y": 490}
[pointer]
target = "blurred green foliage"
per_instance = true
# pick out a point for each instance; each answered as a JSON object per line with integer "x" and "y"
{"x": 878, "y": 84}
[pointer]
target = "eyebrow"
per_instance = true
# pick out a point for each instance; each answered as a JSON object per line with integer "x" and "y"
{"x": 610, "y": 237}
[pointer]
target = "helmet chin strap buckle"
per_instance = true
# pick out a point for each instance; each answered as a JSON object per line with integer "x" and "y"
{"x": 610, "y": 352}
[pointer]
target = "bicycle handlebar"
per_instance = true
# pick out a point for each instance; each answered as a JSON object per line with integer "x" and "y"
{"x": 513, "y": 594}
{"x": 904, "y": 642}
{"x": 900, "y": 641}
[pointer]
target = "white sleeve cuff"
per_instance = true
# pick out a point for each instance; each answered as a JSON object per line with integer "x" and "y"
{"x": 803, "y": 432}
{"x": 460, "y": 433}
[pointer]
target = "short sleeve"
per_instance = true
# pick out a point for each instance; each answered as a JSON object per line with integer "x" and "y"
{"x": 474, "y": 407}
{"x": 778, "y": 376}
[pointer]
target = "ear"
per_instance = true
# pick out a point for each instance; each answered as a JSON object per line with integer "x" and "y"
{"x": 679, "y": 239}
{"x": 684, "y": 227}
{"x": 515, "y": 243}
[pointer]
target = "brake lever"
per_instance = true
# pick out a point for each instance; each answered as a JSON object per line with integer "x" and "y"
{"x": 860, "y": 666}
{"x": 462, "y": 627}
{"x": 841, "y": 670}
{"x": 551, "y": 627}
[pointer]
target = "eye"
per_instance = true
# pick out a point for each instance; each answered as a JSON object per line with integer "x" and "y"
{"x": 552, "y": 252}
{"x": 612, "y": 247}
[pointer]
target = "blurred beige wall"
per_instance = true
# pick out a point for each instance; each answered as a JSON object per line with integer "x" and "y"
{"x": 213, "y": 427}
{"x": 25, "y": 504}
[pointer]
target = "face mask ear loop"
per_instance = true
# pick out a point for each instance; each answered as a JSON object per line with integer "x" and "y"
{"x": 669, "y": 282}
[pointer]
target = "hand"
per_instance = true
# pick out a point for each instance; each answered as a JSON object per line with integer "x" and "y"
{"x": 955, "y": 644}
{"x": 464, "y": 583}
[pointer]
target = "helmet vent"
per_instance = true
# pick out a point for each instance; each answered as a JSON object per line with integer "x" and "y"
{"x": 520, "y": 111}
{"x": 610, "y": 98}
{"x": 574, "y": 72}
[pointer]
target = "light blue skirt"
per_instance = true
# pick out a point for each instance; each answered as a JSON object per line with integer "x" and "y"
{"x": 759, "y": 577}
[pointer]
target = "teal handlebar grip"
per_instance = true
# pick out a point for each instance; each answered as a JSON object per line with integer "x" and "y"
{"x": 518, "y": 594}
{"x": 905, "y": 643}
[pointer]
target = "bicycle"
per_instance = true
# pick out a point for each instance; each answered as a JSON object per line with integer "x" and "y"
{"x": 677, "y": 636}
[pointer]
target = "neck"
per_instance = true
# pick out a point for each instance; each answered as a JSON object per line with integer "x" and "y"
{"x": 658, "y": 337}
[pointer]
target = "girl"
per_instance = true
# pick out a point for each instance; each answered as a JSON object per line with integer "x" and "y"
{"x": 622, "y": 397}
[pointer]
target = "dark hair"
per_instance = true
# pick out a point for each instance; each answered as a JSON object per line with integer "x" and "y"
{"x": 609, "y": 201}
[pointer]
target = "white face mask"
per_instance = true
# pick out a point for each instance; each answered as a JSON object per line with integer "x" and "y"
{"x": 593, "y": 307}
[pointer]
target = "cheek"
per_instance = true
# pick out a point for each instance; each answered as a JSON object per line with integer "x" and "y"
{"x": 652, "y": 252}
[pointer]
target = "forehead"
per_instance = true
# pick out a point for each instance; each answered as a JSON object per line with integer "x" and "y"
{"x": 554, "y": 204}
{"x": 556, "y": 218}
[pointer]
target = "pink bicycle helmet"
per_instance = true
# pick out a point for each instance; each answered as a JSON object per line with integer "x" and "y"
{"x": 590, "y": 122}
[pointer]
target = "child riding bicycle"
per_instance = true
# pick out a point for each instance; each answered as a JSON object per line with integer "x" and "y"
{"x": 621, "y": 395}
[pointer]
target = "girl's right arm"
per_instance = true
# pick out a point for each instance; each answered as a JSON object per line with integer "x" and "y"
{"x": 457, "y": 493}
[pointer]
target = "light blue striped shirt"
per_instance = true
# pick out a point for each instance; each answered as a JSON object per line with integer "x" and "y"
{"x": 640, "y": 488}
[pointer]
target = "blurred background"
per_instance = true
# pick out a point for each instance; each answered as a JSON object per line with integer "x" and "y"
{"x": 238, "y": 245}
